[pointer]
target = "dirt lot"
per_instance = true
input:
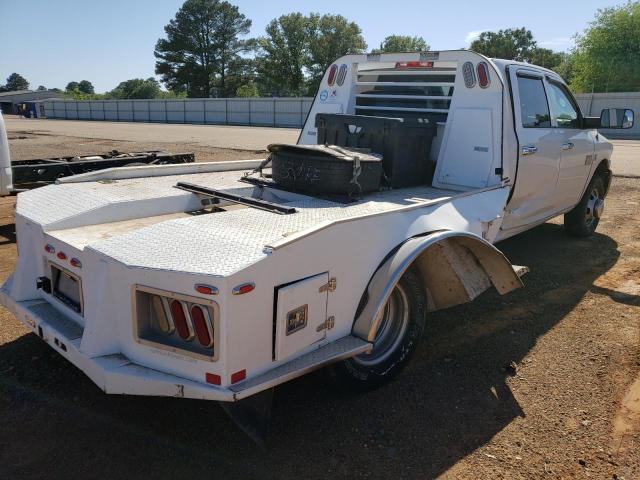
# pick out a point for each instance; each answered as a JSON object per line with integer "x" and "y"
{"x": 541, "y": 383}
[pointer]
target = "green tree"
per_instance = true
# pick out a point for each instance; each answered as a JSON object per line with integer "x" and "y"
{"x": 330, "y": 37}
{"x": 136, "y": 88}
{"x": 247, "y": 90}
{"x": 85, "y": 86}
{"x": 546, "y": 58}
{"x": 511, "y": 44}
{"x": 41, "y": 88}
{"x": 202, "y": 43}
{"x": 72, "y": 86}
{"x": 402, "y": 43}
{"x": 607, "y": 54}
{"x": 16, "y": 82}
{"x": 284, "y": 54}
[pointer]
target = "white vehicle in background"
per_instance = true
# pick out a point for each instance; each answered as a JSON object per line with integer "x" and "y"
{"x": 231, "y": 284}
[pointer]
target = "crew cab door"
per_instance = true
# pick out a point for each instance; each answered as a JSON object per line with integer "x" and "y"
{"x": 540, "y": 145}
{"x": 578, "y": 146}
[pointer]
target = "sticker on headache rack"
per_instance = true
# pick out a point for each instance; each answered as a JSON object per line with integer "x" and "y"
{"x": 324, "y": 95}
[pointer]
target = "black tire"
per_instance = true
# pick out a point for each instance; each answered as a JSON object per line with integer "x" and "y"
{"x": 398, "y": 337}
{"x": 583, "y": 220}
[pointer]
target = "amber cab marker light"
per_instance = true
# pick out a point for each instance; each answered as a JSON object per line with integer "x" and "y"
{"x": 244, "y": 288}
{"x": 239, "y": 376}
{"x": 49, "y": 249}
{"x": 206, "y": 289}
{"x": 213, "y": 379}
{"x": 62, "y": 255}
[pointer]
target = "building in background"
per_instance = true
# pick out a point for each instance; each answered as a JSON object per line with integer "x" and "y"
{"x": 26, "y": 101}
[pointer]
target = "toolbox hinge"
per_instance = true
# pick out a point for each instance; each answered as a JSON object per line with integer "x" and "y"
{"x": 330, "y": 286}
{"x": 327, "y": 324}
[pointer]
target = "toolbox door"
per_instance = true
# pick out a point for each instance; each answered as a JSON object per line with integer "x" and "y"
{"x": 301, "y": 315}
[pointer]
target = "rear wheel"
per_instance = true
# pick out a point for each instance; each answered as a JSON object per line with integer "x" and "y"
{"x": 583, "y": 220}
{"x": 397, "y": 338}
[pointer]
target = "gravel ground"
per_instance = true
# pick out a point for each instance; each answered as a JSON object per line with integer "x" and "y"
{"x": 541, "y": 383}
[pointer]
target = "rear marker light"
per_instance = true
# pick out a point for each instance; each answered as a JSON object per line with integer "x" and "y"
{"x": 49, "y": 249}
{"x": 213, "y": 379}
{"x": 238, "y": 376}
{"x": 76, "y": 263}
{"x": 414, "y": 64}
{"x": 244, "y": 288}
{"x": 165, "y": 322}
{"x": 332, "y": 74}
{"x": 342, "y": 74}
{"x": 62, "y": 255}
{"x": 206, "y": 289}
{"x": 202, "y": 326}
{"x": 469, "y": 75}
{"x": 180, "y": 320}
{"x": 483, "y": 75}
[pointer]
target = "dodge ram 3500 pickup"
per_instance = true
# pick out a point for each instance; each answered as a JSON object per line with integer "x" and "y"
{"x": 220, "y": 281}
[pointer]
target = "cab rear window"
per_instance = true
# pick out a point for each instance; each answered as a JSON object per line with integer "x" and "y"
{"x": 534, "y": 109}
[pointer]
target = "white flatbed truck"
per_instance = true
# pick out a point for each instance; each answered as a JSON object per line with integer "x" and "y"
{"x": 227, "y": 291}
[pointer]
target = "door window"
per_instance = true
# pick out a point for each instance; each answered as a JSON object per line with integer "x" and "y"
{"x": 534, "y": 109}
{"x": 564, "y": 112}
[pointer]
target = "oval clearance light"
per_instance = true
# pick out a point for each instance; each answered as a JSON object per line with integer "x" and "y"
{"x": 213, "y": 379}
{"x": 469, "y": 75}
{"x": 62, "y": 255}
{"x": 483, "y": 75}
{"x": 332, "y": 74}
{"x": 202, "y": 326}
{"x": 206, "y": 289}
{"x": 76, "y": 263}
{"x": 342, "y": 74}
{"x": 183, "y": 326}
{"x": 239, "y": 376}
{"x": 49, "y": 248}
{"x": 244, "y": 288}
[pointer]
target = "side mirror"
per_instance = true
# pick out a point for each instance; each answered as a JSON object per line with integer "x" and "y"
{"x": 616, "y": 118}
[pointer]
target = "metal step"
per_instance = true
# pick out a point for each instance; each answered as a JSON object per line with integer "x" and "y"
{"x": 332, "y": 352}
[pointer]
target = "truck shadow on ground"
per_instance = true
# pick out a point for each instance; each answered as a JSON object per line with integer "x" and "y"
{"x": 452, "y": 399}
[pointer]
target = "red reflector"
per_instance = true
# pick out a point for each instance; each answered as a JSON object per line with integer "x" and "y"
{"x": 213, "y": 379}
{"x": 244, "y": 288}
{"x": 202, "y": 326}
{"x": 62, "y": 255}
{"x": 414, "y": 64}
{"x": 180, "y": 320}
{"x": 206, "y": 289}
{"x": 483, "y": 74}
{"x": 332, "y": 74}
{"x": 238, "y": 376}
{"x": 49, "y": 249}
{"x": 76, "y": 263}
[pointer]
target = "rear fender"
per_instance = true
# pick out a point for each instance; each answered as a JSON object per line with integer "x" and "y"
{"x": 455, "y": 267}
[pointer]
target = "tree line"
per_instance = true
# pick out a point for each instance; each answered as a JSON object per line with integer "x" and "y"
{"x": 206, "y": 52}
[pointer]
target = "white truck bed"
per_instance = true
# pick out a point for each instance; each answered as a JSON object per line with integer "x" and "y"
{"x": 94, "y": 215}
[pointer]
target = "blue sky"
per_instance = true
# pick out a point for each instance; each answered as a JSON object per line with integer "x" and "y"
{"x": 51, "y": 42}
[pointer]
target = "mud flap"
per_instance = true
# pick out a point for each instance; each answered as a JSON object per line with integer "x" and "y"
{"x": 252, "y": 414}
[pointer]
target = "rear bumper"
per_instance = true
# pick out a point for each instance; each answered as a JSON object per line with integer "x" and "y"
{"x": 115, "y": 373}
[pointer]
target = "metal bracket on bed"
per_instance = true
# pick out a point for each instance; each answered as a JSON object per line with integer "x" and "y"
{"x": 241, "y": 199}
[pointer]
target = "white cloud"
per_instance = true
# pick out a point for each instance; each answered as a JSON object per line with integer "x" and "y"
{"x": 472, "y": 35}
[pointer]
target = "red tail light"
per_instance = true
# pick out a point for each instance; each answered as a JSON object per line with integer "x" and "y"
{"x": 238, "y": 376}
{"x": 213, "y": 379}
{"x": 332, "y": 74}
{"x": 76, "y": 263}
{"x": 483, "y": 74}
{"x": 244, "y": 288}
{"x": 414, "y": 64}
{"x": 206, "y": 289}
{"x": 183, "y": 326}
{"x": 202, "y": 326}
{"x": 62, "y": 255}
{"x": 49, "y": 248}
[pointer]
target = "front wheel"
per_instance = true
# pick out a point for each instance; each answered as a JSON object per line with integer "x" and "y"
{"x": 397, "y": 338}
{"x": 584, "y": 218}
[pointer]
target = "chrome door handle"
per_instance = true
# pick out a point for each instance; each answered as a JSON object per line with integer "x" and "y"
{"x": 567, "y": 146}
{"x": 529, "y": 149}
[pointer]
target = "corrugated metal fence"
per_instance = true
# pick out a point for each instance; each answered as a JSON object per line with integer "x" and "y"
{"x": 274, "y": 112}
